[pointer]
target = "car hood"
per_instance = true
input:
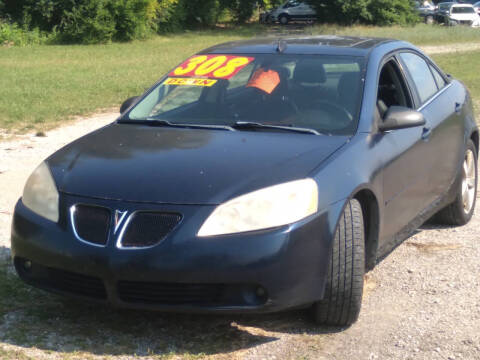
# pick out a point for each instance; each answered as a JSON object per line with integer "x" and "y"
{"x": 184, "y": 166}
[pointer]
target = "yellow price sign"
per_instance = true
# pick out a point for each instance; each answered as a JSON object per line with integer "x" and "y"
{"x": 190, "y": 82}
{"x": 212, "y": 66}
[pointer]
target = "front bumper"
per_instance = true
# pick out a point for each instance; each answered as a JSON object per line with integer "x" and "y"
{"x": 261, "y": 271}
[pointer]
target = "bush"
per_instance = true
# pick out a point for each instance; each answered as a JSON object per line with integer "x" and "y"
{"x": 390, "y": 12}
{"x": 242, "y": 10}
{"x": 171, "y": 15}
{"x": 12, "y": 34}
{"x": 86, "y": 21}
{"x": 133, "y": 19}
{"x": 372, "y": 12}
{"x": 201, "y": 12}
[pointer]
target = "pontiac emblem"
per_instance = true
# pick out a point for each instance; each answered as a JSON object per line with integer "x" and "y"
{"x": 118, "y": 219}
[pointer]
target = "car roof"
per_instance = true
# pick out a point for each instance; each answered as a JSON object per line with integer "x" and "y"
{"x": 462, "y": 5}
{"x": 321, "y": 45}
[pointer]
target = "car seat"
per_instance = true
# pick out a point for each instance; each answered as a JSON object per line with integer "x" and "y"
{"x": 348, "y": 91}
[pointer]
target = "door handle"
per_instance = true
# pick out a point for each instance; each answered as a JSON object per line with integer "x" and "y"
{"x": 458, "y": 107}
{"x": 426, "y": 133}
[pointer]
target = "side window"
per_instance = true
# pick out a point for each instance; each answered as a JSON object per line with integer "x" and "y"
{"x": 438, "y": 78}
{"x": 392, "y": 89}
{"x": 421, "y": 75}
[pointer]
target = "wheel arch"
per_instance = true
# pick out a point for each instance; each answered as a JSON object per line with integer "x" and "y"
{"x": 474, "y": 138}
{"x": 371, "y": 217}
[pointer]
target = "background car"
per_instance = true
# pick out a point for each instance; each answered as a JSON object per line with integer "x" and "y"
{"x": 476, "y": 6}
{"x": 443, "y": 9}
{"x": 461, "y": 14}
{"x": 256, "y": 176}
{"x": 427, "y": 13}
{"x": 292, "y": 10}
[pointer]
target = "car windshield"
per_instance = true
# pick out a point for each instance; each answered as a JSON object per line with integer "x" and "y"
{"x": 462, "y": 10}
{"x": 445, "y": 6}
{"x": 316, "y": 92}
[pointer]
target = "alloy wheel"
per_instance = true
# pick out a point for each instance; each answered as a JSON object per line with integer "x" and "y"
{"x": 469, "y": 181}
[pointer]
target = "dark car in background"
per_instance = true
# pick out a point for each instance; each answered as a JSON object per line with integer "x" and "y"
{"x": 256, "y": 176}
{"x": 427, "y": 13}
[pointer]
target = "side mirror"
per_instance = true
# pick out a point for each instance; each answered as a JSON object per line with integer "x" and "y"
{"x": 127, "y": 103}
{"x": 399, "y": 117}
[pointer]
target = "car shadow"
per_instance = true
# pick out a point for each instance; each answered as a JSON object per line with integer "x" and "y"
{"x": 34, "y": 319}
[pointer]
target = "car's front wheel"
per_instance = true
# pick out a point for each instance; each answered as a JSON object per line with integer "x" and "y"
{"x": 283, "y": 19}
{"x": 344, "y": 288}
{"x": 452, "y": 23}
{"x": 461, "y": 210}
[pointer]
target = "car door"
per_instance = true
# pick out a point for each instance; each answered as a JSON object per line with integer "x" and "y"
{"x": 443, "y": 134}
{"x": 294, "y": 9}
{"x": 305, "y": 10}
{"x": 405, "y": 160}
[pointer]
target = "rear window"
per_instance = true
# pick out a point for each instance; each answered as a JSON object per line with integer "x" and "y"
{"x": 462, "y": 10}
{"x": 422, "y": 76}
{"x": 317, "y": 92}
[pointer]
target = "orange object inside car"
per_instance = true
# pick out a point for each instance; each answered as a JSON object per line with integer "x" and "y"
{"x": 265, "y": 80}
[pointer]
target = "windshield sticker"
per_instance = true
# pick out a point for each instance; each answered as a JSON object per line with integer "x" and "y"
{"x": 212, "y": 66}
{"x": 190, "y": 82}
{"x": 265, "y": 80}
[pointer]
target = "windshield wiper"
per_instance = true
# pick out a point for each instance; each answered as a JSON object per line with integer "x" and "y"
{"x": 157, "y": 122}
{"x": 255, "y": 125}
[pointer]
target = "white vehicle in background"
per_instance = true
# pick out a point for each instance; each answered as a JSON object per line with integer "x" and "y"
{"x": 476, "y": 6}
{"x": 461, "y": 14}
{"x": 292, "y": 10}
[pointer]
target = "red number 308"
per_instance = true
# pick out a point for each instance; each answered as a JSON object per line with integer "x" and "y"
{"x": 215, "y": 66}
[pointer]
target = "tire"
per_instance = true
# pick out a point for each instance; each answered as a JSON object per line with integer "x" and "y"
{"x": 461, "y": 210}
{"x": 283, "y": 19}
{"x": 429, "y": 20}
{"x": 342, "y": 299}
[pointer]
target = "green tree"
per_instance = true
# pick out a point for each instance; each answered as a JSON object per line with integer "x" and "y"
{"x": 374, "y": 12}
{"x": 241, "y": 10}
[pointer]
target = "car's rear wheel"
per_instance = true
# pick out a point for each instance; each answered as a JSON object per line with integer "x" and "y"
{"x": 461, "y": 210}
{"x": 344, "y": 288}
{"x": 283, "y": 19}
{"x": 452, "y": 23}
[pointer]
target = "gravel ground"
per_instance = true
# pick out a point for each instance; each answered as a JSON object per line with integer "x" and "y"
{"x": 443, "y": 49}
{"x": 20, "y": 156}
{"x": 421, "y": 302}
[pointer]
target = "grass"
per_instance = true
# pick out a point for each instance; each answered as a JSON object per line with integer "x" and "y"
{"x": 421, "y": 34}
{"x": 45, "y": 85}
{"x": 464, "y": 66}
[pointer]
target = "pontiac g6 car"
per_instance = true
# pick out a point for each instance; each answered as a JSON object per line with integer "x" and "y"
{"x": 256, "y": 176}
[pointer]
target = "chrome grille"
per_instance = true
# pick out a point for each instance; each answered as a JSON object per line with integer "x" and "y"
{"x": 145, "y": 229}
{"x": 90, "y": 223}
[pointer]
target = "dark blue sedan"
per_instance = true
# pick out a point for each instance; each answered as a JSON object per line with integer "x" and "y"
{"x": 256, "y": 176}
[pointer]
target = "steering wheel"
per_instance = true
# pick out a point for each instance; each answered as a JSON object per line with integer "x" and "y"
{"x": 291, "y": 103}
{"x": 342, "y": 116}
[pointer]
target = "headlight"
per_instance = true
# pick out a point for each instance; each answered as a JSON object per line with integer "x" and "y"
{"x": 40, "y": 193}
{"x": 265, "y": 208}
